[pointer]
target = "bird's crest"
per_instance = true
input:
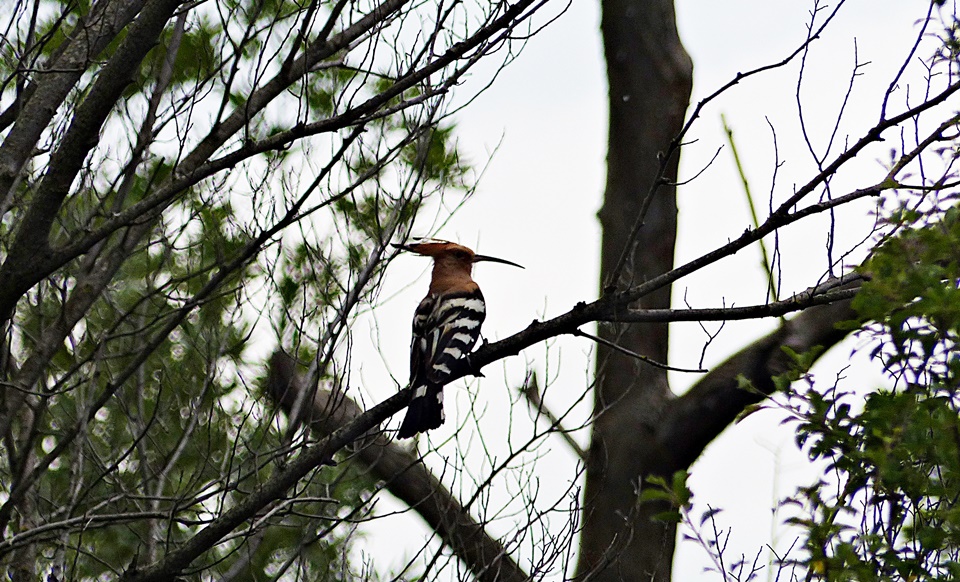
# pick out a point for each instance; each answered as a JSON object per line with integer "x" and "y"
{"x": 431, "y": 247}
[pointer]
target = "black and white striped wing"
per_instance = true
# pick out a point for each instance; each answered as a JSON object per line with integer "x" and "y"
{"x": 444, "y": 330}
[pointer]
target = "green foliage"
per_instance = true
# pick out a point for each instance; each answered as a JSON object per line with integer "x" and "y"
{"x": 913, "y": 293}
{"x": 893, "y": 515}
{"x": 887, "y": 507}
{"x": 143, "y": 420}
{"x": 434, "y": 154}
{"x": 182, "y": 436}
{"x": 671, "y": 498}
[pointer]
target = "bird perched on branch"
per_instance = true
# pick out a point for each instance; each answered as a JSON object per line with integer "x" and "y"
{"x": 446, "y": 325}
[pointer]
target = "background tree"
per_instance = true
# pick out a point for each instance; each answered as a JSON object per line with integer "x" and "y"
{"x": 649, "y": 76}
{"x": 639, "y": 218}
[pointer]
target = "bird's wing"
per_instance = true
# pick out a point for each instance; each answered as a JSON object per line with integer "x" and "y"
{"x": 444, "y": 330}
{"x": 419, "y": 342}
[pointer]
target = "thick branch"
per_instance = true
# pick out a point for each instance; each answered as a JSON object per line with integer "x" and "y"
{"x": 99, "y": 268}
{"x": 322, "y": 453}
{"x": 693, "y": 420}
{"x": 52, "y": 84}
{"x": 20, "y": 270}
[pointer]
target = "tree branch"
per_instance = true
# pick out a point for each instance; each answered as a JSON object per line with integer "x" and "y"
{"x": 21, "y": 268}
{"x": 783, "y": 215}
{"x": 693, "y": 420}
{"x": 675, "y": 144}
{"x": 817, "y": 295}
{"x": 273, "y": 488}
{"x": 197, "y": 167}
{"x": 360, "y": 425}
{"x": 404, "y": 473}
{"x": 44, "y": 96}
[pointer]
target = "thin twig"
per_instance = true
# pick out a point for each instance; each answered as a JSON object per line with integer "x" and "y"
{"x": 632, "y": 354}
{"x": 531, "y": 391}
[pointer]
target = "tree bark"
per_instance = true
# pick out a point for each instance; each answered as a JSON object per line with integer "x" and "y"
{"x": 691, "y": 421}
{"x": 650, "y": 82}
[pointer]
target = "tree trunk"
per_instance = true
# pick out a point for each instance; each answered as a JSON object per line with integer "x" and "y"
{"x": 650, "y": 81}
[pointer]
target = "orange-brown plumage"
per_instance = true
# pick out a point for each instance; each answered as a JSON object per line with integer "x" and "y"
{"x": 452, "y": 266}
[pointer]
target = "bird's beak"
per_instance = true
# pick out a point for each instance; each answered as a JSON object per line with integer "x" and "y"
{"x": 480, "y": 258}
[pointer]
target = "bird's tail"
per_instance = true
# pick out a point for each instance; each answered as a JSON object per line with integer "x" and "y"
{"x": 425, "y": 411}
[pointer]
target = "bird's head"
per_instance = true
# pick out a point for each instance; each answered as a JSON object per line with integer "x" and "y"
{"x": 451, "y": 254}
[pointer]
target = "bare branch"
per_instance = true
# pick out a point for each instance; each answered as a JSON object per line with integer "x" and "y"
{"x": 696, "y": 418}
{"x": 799, "y": 302}
{"x": 531, "y": 391}
{"x": 405, "y": 474}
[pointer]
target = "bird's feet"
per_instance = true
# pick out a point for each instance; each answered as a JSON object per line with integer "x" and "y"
{"x": 472, "y": 369}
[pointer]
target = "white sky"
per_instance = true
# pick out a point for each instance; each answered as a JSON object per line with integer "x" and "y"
{"x": 537, "y": 205}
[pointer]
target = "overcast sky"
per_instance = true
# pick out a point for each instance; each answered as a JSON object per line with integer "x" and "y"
{"x": 544, "y": 124}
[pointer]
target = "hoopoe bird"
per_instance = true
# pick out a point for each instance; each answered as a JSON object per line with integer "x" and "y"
{"x": 446, "y": 326}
